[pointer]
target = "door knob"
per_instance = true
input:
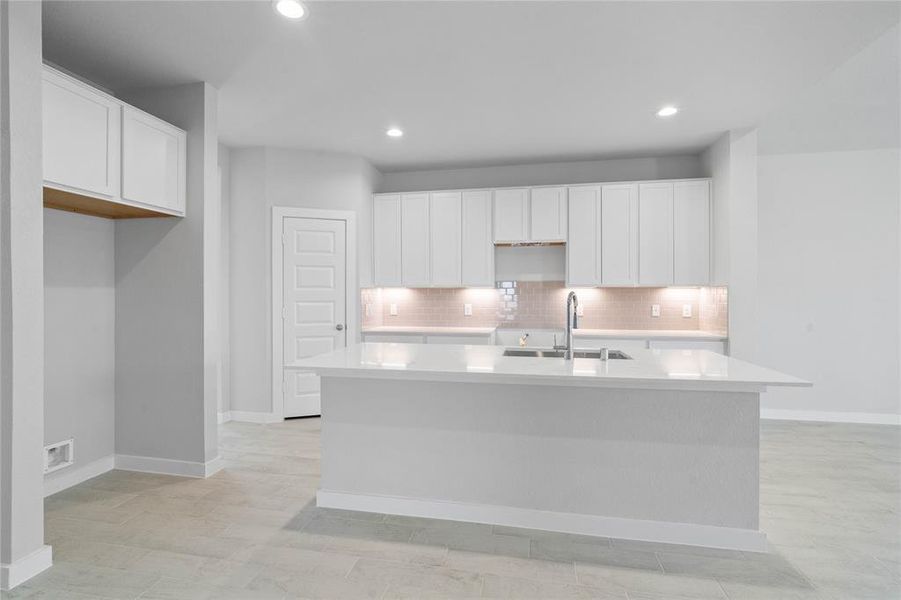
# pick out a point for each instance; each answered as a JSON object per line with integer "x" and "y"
{"x": 339, "y": 327}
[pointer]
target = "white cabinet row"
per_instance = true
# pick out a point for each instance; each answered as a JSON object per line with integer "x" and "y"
{"x": 650, "y": 234}
{"x": 439, "y": 239}
{"x": 620, "y": 234}
{"x": 97, "y": 147}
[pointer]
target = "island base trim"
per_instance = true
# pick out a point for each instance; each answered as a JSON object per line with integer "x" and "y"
{"x": 688, "y": 534}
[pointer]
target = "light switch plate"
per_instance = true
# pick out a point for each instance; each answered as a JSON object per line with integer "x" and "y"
{"x": 686, "y": 310}
{"x": 655, "y": 310}
{"x": 392, "y": 310}
{"x": 467, "y": 310}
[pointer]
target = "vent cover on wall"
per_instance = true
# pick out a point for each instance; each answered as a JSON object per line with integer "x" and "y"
{"x": 59, "y": 455}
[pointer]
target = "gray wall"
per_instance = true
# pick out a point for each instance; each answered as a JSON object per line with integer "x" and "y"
{"x": 260, "y": 179}
{"x": 166, "y": 287}
{"x": 621, "y": 169}
{"x": 79, "y": 334}
{"x": 21, "y": 284}
{"x": 225, "y": 302}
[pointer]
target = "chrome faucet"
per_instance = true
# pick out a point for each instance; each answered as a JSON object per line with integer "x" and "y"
{"x": 572, "y": 322}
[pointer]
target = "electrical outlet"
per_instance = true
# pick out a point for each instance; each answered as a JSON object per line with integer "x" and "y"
{"x": 392, "y": 310}
{"x": 655, "y": 310}
{"x": 59, "y": 455}
{"x": 686, "y": 310}
{"x": 467, "y": 310}
{"x": 580, "y": 311}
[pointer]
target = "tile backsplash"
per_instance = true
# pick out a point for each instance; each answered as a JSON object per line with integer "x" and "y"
{"x": 540, "y": 304}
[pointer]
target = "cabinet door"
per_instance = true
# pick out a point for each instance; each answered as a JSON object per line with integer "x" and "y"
{"x": 655, "y": 234}
{"x": 415, "y": 240}
{"x": 619, "y": 235}
{"x": 511, "y": 215}
{"x": 386, "y": 262}
{"x": 582, "y": 266}
{"x": 691, "y": 232}
{"x": 548, "y": 214}
{"x": 153, "y": 161}
{"x": 445, "y": 217}
{"x": 81, "y": 134}
{"x": 477, "y": 249}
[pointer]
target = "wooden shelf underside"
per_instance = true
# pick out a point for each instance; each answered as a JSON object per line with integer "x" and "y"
{"x": 96, "y": 207}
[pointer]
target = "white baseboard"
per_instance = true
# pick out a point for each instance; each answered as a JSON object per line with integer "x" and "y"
{"x": 165, "y": 466}
{"x": 66, "y": 478}
{"x": 778, "y": 414}
{"x": 630, "y": 529}
{"x": 225, "y": 416}
{"x": 25, "y": 568}
{"x": 246, "y": 416}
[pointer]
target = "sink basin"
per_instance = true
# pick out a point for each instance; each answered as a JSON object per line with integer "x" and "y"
{"x": 595, "y": 354}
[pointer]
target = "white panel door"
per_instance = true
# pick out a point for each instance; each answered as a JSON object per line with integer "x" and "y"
{"x": 619, "y": 237}
{"x": 548, "y": 214}
{"x": 81, "y": 135}
{"x": 445, "y": 231}
{"x": 582, "y": 267}
{"x": 655, "y": 234}
{"x": 691, "y": 232}
{"x": 415, "y": 261}
{"x": 511, "y": 215}
{"x": 386, "y": 242}
{"x": 314, "y": 306}
{"x": 153, "y": 161}
{"x": 477, "y": 249}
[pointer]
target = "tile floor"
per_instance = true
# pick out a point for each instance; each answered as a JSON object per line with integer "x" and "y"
{"x": 831, "y": 505}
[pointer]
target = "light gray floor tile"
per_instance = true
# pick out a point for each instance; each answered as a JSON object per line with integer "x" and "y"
{"x": 498, "y": 586}
{"x": 422, "y": 581}
{"x": 648, "y": 582}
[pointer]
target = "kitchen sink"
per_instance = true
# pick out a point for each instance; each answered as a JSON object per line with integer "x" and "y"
{"x": 595, "y": 354}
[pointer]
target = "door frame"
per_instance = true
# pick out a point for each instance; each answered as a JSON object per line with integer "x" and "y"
{"x": 351, "y": 288}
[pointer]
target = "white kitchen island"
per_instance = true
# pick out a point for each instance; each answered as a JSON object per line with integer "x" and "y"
{"x": 663, "y": 447}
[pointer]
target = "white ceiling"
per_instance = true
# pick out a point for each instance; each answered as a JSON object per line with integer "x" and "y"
{"x": 471, "y": 83}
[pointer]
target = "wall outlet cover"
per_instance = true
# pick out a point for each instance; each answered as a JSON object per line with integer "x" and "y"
{"x": 686, "y": 310}
{"x": 392, "y": 310}
{"x": 655, "y": 310}
{"x": 467, "y": 310}
{"x": 59, "y": 455}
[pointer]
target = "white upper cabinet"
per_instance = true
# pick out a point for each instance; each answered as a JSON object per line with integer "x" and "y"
{"x": 445, "y": 230}
{"x": 691, "y": 232}
{"x": 477, "y": 249}
{"x": 81, "y": 134}
{"x": 655, "y": 234}
{"x": 619, "y": 234}
{"x": 511, "y": 215}
{"x": 106, "y": 158}
{"x": 386, "y": 240}
{"x": 547, "y": 214}
{"x": 153, "y": 161}
{"x": 583, "y": 247}
{"x": 415, "y": 240}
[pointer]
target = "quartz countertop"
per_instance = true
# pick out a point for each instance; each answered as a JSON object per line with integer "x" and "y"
{"x": 427, "y": 330}
{"x": 648, "y": 369}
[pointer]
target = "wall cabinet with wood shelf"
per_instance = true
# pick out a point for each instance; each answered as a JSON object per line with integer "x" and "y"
{"x": 105, "y": 158}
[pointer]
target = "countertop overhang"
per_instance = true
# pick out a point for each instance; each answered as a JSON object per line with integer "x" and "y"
{"x": 680, "y": 370}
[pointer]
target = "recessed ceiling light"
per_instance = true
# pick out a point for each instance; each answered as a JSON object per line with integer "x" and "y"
{"x": 394, "y": 132}
{"x": 292, "y": 9}
{"x": 667, "y": 111}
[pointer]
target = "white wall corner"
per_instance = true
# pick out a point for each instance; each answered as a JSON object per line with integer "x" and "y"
{"x": 225, "y": 416}
{"x": 25, "y": 568}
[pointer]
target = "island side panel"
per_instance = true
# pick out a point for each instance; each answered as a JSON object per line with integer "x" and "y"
{"x": 666, "y": 456}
